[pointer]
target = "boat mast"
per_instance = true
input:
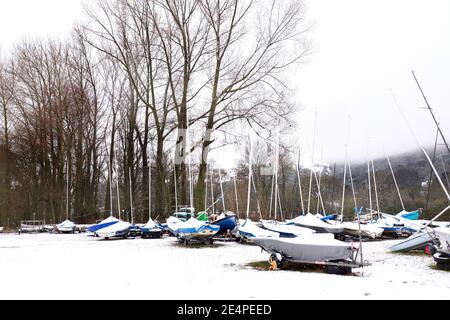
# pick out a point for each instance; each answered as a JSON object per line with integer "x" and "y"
{"x": 249, "y": 178}
{"x": 257, "y": 199}
{"x": 445, "y": 171}
{"x": 271, "y": 193}
{"x": 421, "y": 147}
{"x": 206, "y": 189}
{"x": 369, "y": 178}
{"x": 176, "y": 188}
{"x": 430, "y": 181}
{"x": 117, "y": 186}
{"x": 312, "y": 164}
{"x": 395, "y": 181}
{"x": 300, "y": 182}
{"x": 212, "y": 190}
{"x": 343, "y": 190}
{"x": 67, "y": 188}
{"x": 431, "y": 111}
{"x": 131, "y": 196}
{"x": 221, "y": 190}
{"x": 150, "y": 190}
{"x": 375, "y": 186}
{"x": 236, "y": 195}
{"x": 110, "y": 185}
{"x": 356, "y": 208}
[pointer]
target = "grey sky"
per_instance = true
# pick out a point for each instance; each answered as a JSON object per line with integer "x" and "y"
{"x": 361, "y": 49}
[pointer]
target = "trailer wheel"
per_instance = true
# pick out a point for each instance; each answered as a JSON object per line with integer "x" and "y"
{"x": 275, "y": 262}
{"x": 338, "y": 270}
{"x": 443, "y": 266}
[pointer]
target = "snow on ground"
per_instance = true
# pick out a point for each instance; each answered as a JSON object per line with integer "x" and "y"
{"x": 48, "y": 266}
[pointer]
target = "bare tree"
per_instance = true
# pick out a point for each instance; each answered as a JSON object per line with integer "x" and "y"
{"x": 248, "y": 64}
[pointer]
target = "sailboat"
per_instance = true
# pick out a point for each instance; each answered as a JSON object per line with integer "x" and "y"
{"x": 150, "y": 229}
{"x": 112, "y": 227}
{"x": 67, "y": 226}
{"x": 247, "y": 230}
{"x": 192, "y": 229}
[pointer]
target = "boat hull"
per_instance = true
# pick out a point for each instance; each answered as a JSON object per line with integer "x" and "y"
{"x": 415, "y": 242}
{"x": 226, "y": 224}
{"x": 310, "y": 248}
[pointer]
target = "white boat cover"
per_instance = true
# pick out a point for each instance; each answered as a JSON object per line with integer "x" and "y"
{"x": 249, "y": 229}
{"x": 150, "y": 225}
{"x": 311, "y": 248}
{"x": 415, "y": 242}
{"x": 286, "y": 228}
{"x": 312, "y": 222}
{"x": 116, "y": 230}
{"x": 66, "y": 226}
{"x": 192, "y": 229}
{"x": 367, "y": 230}
{"x": 443, "y": 235}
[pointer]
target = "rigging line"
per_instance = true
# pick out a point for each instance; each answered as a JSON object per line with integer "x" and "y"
{"x": 395, "y": 181}
{"x": 431, "y": 111}
{"x": 420, "y": 145}
{"x": 300, "y": 183}
{"x": 445, "y": 171}
{"x": 249, "y": 176}
{"x": 430, "y": 181}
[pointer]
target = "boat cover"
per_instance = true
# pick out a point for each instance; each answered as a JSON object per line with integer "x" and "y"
{"x": 312, "y": 222}
{"x": 311, "y": 248}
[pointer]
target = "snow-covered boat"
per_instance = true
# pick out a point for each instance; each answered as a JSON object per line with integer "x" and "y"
{"x": 227, "y": 222}
{"x": 443, "y": 235}
{"x": 286, "y": 230}
{"x": 311, "y": 248}
{"x": 66, "y": 227}
{"x": 442, "y": 256}
{"x": 105, "y": 223}
{"x": 413, "y": 215}
{"x": 247, "y": 230}
{"x": 367, "y": 230}
{"x": 417, "y": 241}
{"x": 393, "y": 225}
{"x": 151, "y": 230}
{"x": 192, "y": 229}
{"x": 120, "y": 229}
{"x": 312, "y": 222}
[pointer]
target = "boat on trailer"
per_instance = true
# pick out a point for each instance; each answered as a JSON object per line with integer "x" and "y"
{"x": 66, "y": 227}
{"x": 192, "y": 230}
{"x": 103, "y": 224}
{"x": 317, "y": 249}
{"x": 151, "y": 230}
{"x": 121, "y": 229}
{"x": 227, "y": 222}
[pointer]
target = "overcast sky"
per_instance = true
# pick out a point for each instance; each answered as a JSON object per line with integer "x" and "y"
{"x": 361, "y": 49}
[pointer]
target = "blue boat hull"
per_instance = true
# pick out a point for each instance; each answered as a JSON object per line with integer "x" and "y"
{"x": 97, "y": 227}
{"x": 226, "y": 224}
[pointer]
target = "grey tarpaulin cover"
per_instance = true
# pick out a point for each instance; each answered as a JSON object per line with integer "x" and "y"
{"x": 320, "y": 247}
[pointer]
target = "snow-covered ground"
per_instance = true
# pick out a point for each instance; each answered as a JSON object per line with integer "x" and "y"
{"x": 50, "y": 266}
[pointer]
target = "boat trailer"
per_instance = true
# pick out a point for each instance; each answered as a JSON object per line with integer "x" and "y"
{"x": 340, "y": 267}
